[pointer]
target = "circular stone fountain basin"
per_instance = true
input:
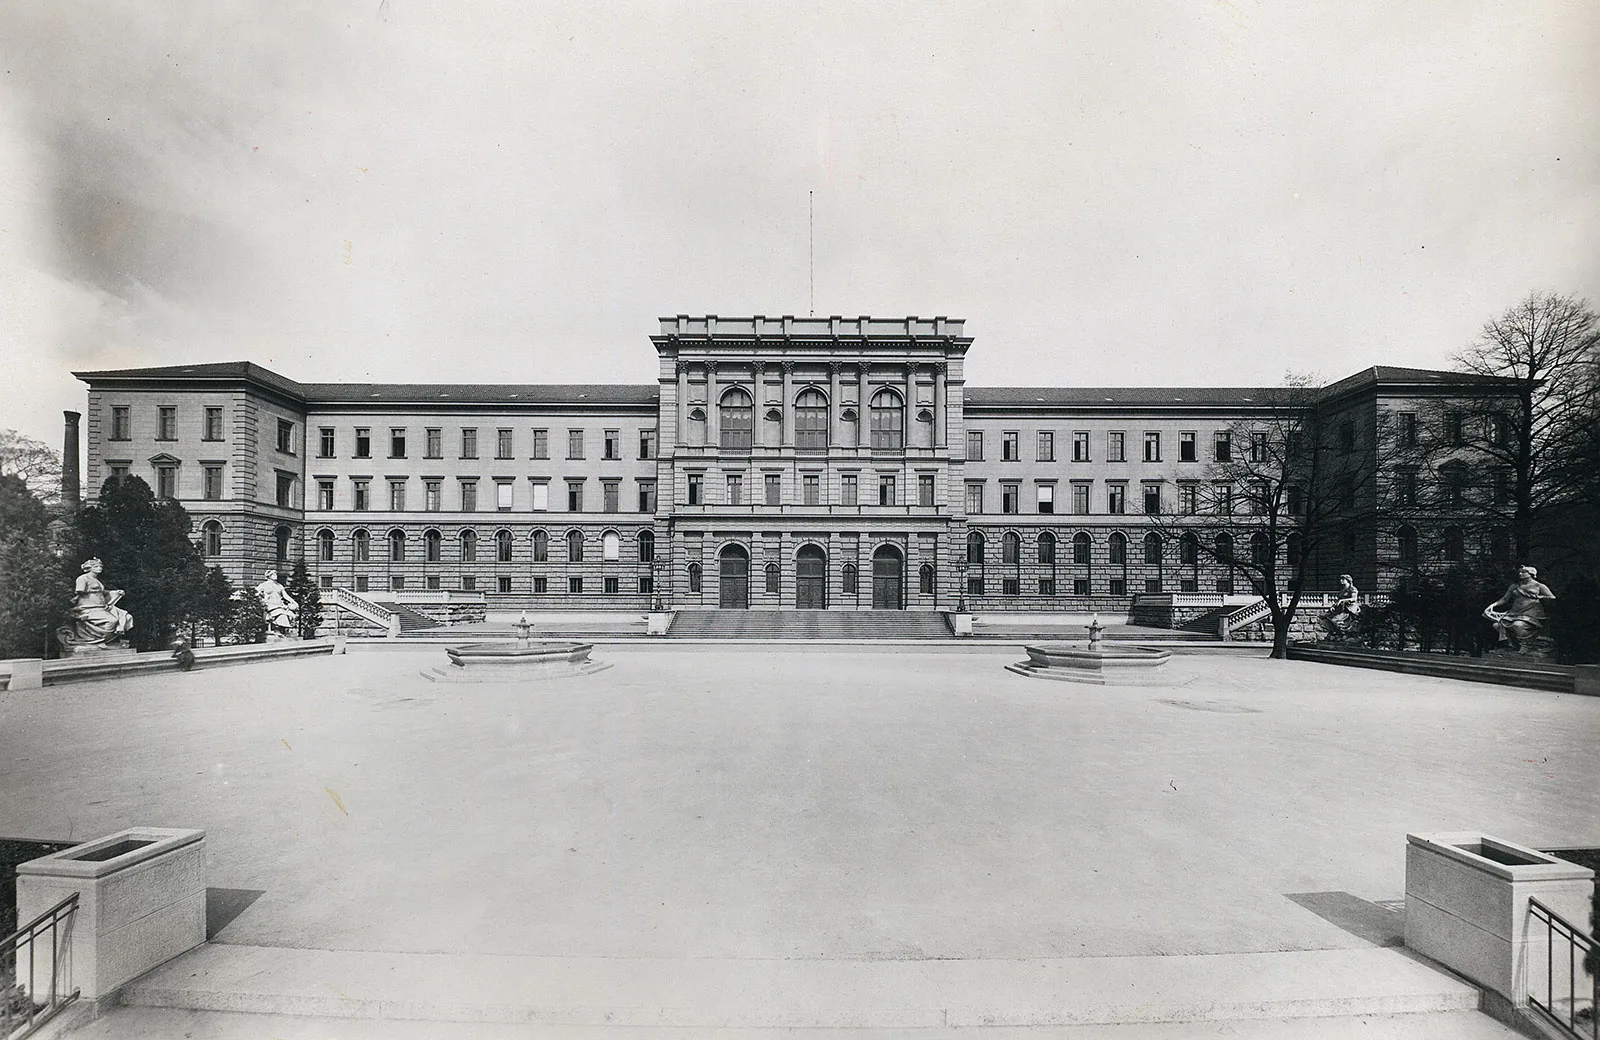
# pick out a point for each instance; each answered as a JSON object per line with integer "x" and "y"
{"x": 1096, "y": 665}
{"x": 516, "y": 662}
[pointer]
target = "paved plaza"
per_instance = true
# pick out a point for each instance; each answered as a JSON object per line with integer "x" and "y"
{"x": 754, "y": 804}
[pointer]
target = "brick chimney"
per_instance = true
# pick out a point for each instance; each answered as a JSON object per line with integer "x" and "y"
{"x": 71, "y": 493}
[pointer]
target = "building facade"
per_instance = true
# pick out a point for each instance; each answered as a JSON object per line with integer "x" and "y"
{"x": 777, "y": 463}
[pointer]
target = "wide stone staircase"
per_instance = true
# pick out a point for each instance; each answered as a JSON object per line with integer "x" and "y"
{"x": 808, "y": 624}
{"x": 410, "y": 620}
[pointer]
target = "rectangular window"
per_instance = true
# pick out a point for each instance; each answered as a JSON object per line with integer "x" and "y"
{"x": 541, "y": 496}
{"x": 432, "y": 496}
{"x": 811, "y": 489}
{"x": 285, "y": 490}
{"x": 213, "y": 429}
{"x": 167, "y": 425}
{"x": 1406, "y": 429}
{"x": 433, "y": 443}
{"x": 1188, "y": 499}
{"x": 1008, "y": 446}
{"x": 1047, "y": 446}
{"x": 325, "y": 442}
{"x": 1152, "y": 446}
{"x": 324, "y": 493}
{"x": 397, "y": 443}
{"x": 735, "y": 489}
{"x": 1080, "y": 499}
{"x": 1186, "y": 451}
{"x": 433, "y": 582}
{"x": 1223, "y": 493}
{"x": 574, "y": 444}
{"x": 1009, "y": 586}
{"x": 118, "y": 470}
{"x": 974, "y": 445}
{"x": 1152, "y": 499}
{"x": 286, "y": 436}
{"x": 574, "y": 496}
{"x": 469, "y": 583}
{"x": 886, "y": 495}
{"x": 697, "y": 489}
{"x": 361, "y": 583}
{"x": 397, "y": 496}
{"x": 119, "y": 422}
{"x": 213, "y": 486}
{"x": 1009, "y": 493}
{"x": 1116, "y": 446}
{"x": 610, "y": 495}
{"x": 502, "y": 444}
{"x": 363, "y": 443}
{"x": 612, "y": 586}
{"x": 647, "y": 444}
{"x": 773, "y": 483}
{"x": 647, "y": 496}
{"x": 1119, "y": 586}
{"x": 1258, "y": 444}
{"x": 469, "y": 496}
{"x": 469, "y": 443}
{"x": 974, "y": 584}
{"x": 1047, "y": 498}
{"x": 1294, "y": 501}
{"x": 1116, "y": 498}
{"x": 503, "y": 583}
{"x": 613, "y": 444}
{"x": 974, "y": 498}
{"x": 397, "y": 583}
{"x": 1080, "y": 586}
{"x": 1223, "y": 446}
{"x": 1347, "y": 436}
{"x": 362, "y": 497}
{"x": 647, "y": 585}
{"x": 167, "y": 481}
{"x": 847, "y": 489}
{"x": 541, "y": 584}
{"x": 541, "y": 444}
{"x": 925, "y": 489}
{"x": 1080, "y": 446}
{"x": 575, "y": 585}
{"x": 325, "y": 581}
{"x": 1502, "y": 487}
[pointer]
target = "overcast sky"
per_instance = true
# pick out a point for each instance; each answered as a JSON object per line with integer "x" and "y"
{"x": 1112, "y": 193}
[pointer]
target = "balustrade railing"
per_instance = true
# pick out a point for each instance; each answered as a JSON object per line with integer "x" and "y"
{"x": 365, "y": 609}
{"x": 1570, "y": 993}
{"x": 36, "y": 971}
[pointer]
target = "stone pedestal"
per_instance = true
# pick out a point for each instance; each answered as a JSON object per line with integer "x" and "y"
{"x": 340, "y": 643}
{"x": 1467, "y": 907}
{"x": 657, "y": 622}
{"x": 141, "y": 902}
{"x": 27, "y": 673}
{"x": 960, "y": 624}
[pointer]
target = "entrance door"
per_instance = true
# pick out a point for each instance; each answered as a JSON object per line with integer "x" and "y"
{"x": 887, "y": 567}
{"x": 811, "y": 579}
{"x": 734, "y": 585}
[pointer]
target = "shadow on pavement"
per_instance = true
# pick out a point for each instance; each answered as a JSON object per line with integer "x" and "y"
{"x": 1376, "y": 924}
{"x": 224, "y": 904}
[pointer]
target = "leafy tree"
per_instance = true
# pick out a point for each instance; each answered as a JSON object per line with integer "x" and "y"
{"x": 33, "y": 598}
{"x": 249, "y": 616}
{"x": 38, "y": 464}
{"x": 216, "y": 604}
{"x": 144, "y": 544}
{"x": 308, "y": 618}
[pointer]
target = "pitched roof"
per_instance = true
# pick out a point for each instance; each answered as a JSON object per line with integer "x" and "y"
{"x": 484, "y": 393}
{"x": 1090, "y": 397}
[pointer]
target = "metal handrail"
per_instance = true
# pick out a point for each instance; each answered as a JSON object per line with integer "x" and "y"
{"x": 23, "y": 987}
{"x": 1567, "y": 1013}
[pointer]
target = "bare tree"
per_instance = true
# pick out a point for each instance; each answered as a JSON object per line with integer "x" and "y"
{"x": 34, "y": 462}
{"x": 1539, "y": 428}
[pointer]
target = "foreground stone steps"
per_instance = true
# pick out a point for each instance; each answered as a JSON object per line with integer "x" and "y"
{"x": 715, "y": 993}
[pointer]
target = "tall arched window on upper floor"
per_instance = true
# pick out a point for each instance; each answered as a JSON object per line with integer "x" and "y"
{"x": 1119, "y": 549}
{"x": 974, "y": 549}
{"x": 284, "y": 534}
{"x": 1047, "y": 549}
{"x": 1188, "y": 549}
{"x": 541, "y": 547}
{"x": 1080, "y": 547}
{"x": 1260, "y": 550}
{"x": 888, "y": 421}
{"x": 811, "y": 420}
{"x": 574, "y": 546}
{"x": 610, "y": 546}
{"x": 1152, "y": 549}
{"x": 847, "y": 579}
{"x": 469, "y": 546}
{"x": 397, "y": 546}
{"x": 694, "y": 578}
{"x": 502, "y": 546}
{"x": 1011, "y": 548}
{"x": 432, "y": 546}
{"x": 1406, "y": 545}
{"x": 211, "y": 538}
{"x": 925, "y": 579}
{"x": 325, "y": 546}
{"x": 1224, "y": 548}
{"x": 361, "y": 544}
{"x": 647, "y": 546}
{"x": 736, "y": 419}
{"x": 772, "y": 579}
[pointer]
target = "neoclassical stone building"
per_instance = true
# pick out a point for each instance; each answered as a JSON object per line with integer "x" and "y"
{"x": 777, "y": 463}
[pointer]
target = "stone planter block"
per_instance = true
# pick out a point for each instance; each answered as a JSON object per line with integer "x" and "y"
{"x": 340, "y": 643}
{"x": 141, "y": 902}
{"x": 27, "y": 673}
{"x": 1467, "y": 907}
{"x": 961, "y": 624}
{"x": 657, "y": 623}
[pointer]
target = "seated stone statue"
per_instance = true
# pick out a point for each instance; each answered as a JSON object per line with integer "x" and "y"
{"x": 96, "y": 622}
{"x": 278, "y": 605}
{"x": 1339, "y": 620}
{"x": 1519, "y": 615}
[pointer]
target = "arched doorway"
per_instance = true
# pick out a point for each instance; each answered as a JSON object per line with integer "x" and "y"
{"x": 734, "y": 582}
{"x": 888, "y": 568}
{"x": 810, "y": 579}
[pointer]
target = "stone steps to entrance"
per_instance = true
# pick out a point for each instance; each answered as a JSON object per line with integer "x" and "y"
{"x": 716, "y": 993}
{"x": 808, "y": 624}
{"x": 410, "y": 620}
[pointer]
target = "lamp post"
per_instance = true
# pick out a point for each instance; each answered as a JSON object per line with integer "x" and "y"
{"x": 655, "y": 586}
{"x": 961, "y": 589}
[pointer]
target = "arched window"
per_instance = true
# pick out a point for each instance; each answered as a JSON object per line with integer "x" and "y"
{"x": 1080, "y": 547}
{"x": 847, "y": 579}
{"x": 610, "y": 546}
{"x": 1294, "y": 549}
{"x": 1224, "y": 547}
{"x": 469, "y": 546}
{"x": 772, "y": 579}
{"x": 211, "y": 538}
{"x": 1047, "y": 549}
{"x": 397, "y": 546}
{"x": 974, "y": 549}
{"x": 1119, "y": 548}
{"x": 1455, "y": 545}
{"x": 325, "y": 546}
{"x": 284, "y": 535}
{"x": 1011, "y": 548}
{"x": 1406, "y": 543}
{"x": 925, "y": 579}
{"x": 647, "y": 546}
{"x": 502, "y": 546}
{"x": 1152, "y": 549}
{"x": 736, "y": 419}
{"x": 1260, "y": 550}
{"x": 541, "y": 547}
{"x": 810, "y": 420}
{"x": 1499, "y": 543}
{"x": 1188, "y": 549}
{"x": 694, "y": 578}
{"x": 362, "y": 543}
{"x": 888, "y": 420}
{"x": 432, "y": 541}
{"x": 697, "y": 426}
{"x": 575, "y": 546}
